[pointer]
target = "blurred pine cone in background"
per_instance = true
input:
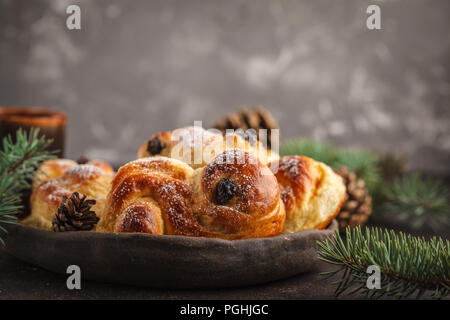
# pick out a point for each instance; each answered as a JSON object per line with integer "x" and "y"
{"x": 393, "y": 165}
{"x": 257, "y": 118}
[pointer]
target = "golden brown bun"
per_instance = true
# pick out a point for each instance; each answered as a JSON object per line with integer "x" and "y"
{"x": 181, "y": 144}
{"x": 311, "y": 191}
{"x": 61, "y": 177}
{"x": 160, "y": 195}
{"x": 51, "y": 169}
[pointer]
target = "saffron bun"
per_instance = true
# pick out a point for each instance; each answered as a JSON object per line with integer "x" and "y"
{"x": 61, "y": 177}
{"x": 311, "y": 191}
{"x": 51, "y": 169}
{"x": 197, "y": 146}
{"x": 234, "y": 196}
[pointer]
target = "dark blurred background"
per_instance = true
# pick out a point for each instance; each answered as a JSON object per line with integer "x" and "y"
{"x": 138, "y": 67}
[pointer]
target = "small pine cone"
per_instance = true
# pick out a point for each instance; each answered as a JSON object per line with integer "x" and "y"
{"x": 74, "y": 214}
{"x": 357, "y": 206}
{"x": 257, "y": 118}
{"x": 393, "y": 165}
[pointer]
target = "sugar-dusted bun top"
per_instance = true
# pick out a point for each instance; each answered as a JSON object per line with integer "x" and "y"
{"x": 233, "y": 197}
{"x": 88, "y": 179}
{"x": 256, "y": 187}
{"x": 55, "y": 168}
{"x": 52, "y": 168}
{"x": 60, "y": 177}
{"x": 311, "y": 191}
{"x": 239, "y": 197}
{"x": 197, "y": 146}
{"x": 148, "y": 187}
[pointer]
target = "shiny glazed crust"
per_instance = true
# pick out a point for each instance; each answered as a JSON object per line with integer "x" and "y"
{"x": 311, "y": 191}
{"x": 61, "y": 177}
{"x": 160, "y": 195}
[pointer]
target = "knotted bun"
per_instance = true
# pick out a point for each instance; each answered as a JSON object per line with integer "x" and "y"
{"x": 255, "y": 209}
{"x": 311, "y": 191}
{"x": 51, "y": 169}
{"x": 160, "y": 195}
{"x": 150, "y": 195}
{"x": 60, "y": 177}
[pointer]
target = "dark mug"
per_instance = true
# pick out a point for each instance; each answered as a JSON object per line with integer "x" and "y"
{"x": 51, "y": 123}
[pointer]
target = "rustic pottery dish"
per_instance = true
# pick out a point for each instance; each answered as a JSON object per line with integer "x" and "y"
{"x": 168, "y": 261}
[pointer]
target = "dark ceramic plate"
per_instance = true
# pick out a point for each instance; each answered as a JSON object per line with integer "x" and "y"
{"x": 168, "y": 261}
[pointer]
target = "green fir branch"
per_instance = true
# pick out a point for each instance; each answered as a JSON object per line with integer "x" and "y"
{"x": 418, "y": 201}
{"x": 317, "y": 150}
{"x": 19, "y": 159}
{"x": 409, "y": 265}
{"x": 361, "y": 161}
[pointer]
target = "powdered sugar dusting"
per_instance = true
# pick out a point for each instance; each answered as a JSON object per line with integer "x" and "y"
{"x": 84, "y": 171}
{"x": 290, "y": 166}
{"x": 167, "y": 183}
{"x": 194, "y": 137}
{"x": 60, "y": 162}
{"x": 53, "y": 191}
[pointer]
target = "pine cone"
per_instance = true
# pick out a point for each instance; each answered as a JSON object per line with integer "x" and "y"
{"x": 74, "y": 214}
{"x": 393, "y": 165}
{"x": 357, "y": 206}
{"x": 258, "y": 118}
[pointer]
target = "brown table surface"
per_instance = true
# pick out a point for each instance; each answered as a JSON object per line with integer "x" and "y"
{"x": 20, "y": 280}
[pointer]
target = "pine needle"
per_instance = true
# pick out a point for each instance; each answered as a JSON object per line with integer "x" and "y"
{"x": 361, "y": 161}
{"x": 409, "y": 265}
{"x": 317, "y": 150}
{"x": 19, "y": 159}
{"x": 418, "y": 201}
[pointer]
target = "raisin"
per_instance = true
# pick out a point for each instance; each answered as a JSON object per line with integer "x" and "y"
{"x": 226, "y": 189}
{"x": 83, "y": 160}
{"x": 155, "y": 146}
